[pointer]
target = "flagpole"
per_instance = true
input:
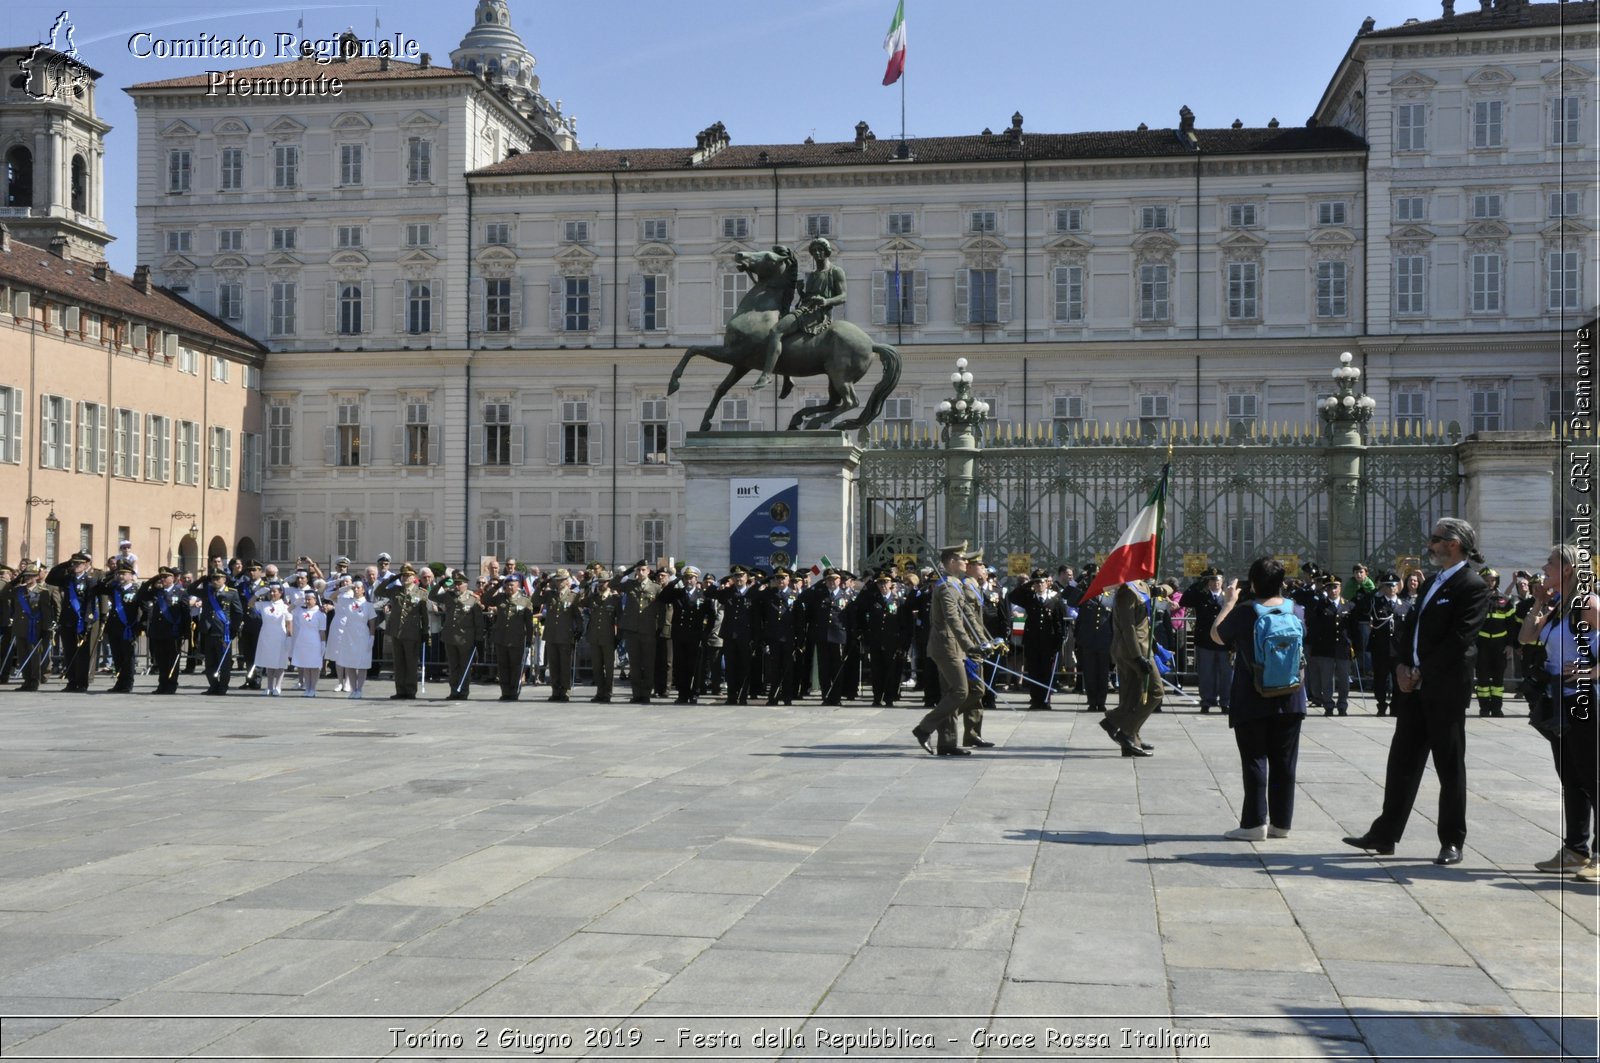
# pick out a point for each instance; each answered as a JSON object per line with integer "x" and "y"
{"x": 1161, "y": 537}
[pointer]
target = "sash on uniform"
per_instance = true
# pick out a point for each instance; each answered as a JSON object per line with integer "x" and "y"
{"x": 222, "y": 615}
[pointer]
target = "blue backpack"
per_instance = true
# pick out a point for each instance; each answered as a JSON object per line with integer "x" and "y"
{"x": 1279, "y": 636}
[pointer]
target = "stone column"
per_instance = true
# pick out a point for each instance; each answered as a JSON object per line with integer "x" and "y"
{"x": 1510, "y": 496}
{"x": 1346, "y": 513}
{"x": 960, "y": 486}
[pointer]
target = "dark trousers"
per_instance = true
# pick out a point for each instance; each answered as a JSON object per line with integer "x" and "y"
{"x": 1215, "y": 675}
{"x": 664, "y": 672}
{"x": 885, "y": 666}
{"x": 508, "y": 668}
{"x": 456, "y": 660}
{"x": 603, "y": 655}
{"x": 928, "y": 679}
{"x": 1431, "y": 720}
{"x": 1491, "y": 670}
{"x": 377, "y": 652}
{"x": 1268, "y": 750}
{"x": 558, "y": 662}
{"x": 830, "y": 671}
{"x": 642, "y": 663}
{"x": 164, "y": 657}
{"x": 1579, "y": 769}
{"x": 219, "y": 663}
{"x": 736, "y": 669}
{"x": 686, "y": 668}
{"x": 778, "y": 670}
{"x": 1038, "y": 664}
{"x": 30, "y": 661}
{"x": 407, "y": 659}
{"x": 249, "y": 635}
{"x": 1096, "y": 666}
{"x": 122, "y": 661}
{"x": 77, "y": 657}
{"x": 1382, "y": 678}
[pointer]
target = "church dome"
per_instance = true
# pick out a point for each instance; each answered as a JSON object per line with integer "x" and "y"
{"x": 494, "y": 51}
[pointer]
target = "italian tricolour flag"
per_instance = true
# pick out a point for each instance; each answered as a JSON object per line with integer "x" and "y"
{"x": 1137, "y": 552}
{"x": 895, "y": 44}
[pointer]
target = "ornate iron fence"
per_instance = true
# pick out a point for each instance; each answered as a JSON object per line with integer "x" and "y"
{"x": 1233, "y": 495}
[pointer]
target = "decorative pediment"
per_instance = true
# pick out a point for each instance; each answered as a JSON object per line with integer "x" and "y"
{"x": 280, "y": 261}
{"x": 418, "y": 121}
{"x": 654, "y": 250}
{"x": 351, "y": 122}
{"x": 178, "y": 264}
{"x": 229, "y": 263}
{"x": 497, "y": 254}
{"x": 983, "y": 244}
{"x": 417, "y": 257}
{"x": 1066, "y": 244}
{"x": 899, "y": 245}
{"x": 732, "y": 247}
{"x": 180, "y": 129}
{"x": 231, "y": 127}
{"x": 285, "y": 126}
{"x": 576, "y": 259}
{"x": 1488, "y": 229}
{"x": 348, "y": 259}
{"x": 1156, "y": 242}
{"x": 1242, "y": 240}
{"x": 1412, "y": 79}
{"x": 1491, "y": 77}
{"x": 1336, "y": 236}
{"x": 1565, "y": 228}
{"x": 1568, "y": 73}
{"x": 1410, "y": 234}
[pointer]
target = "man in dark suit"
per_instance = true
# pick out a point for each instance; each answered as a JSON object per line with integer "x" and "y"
{"x": 1434, "y": 649}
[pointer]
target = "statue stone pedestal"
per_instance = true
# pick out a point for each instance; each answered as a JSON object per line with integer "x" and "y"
{"x": 1511, "y": 493}
{"x": 826, "y": 464}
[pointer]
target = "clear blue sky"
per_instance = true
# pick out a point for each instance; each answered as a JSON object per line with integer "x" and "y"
{"x": 643, "y": 73}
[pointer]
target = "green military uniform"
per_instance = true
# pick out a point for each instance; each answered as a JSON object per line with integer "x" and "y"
{"x": 463, "y": 627}
{"x": 407, "y": 627}
{"x": 563, "y": 623}
{"x": 1138, "y": 684}
{"x": 951, "y": 641}
{"x": 972, "y": 705}
{"x": 605, "y": 613}
{"x": 641, "y": 624}
{"x": 511, "y": 632}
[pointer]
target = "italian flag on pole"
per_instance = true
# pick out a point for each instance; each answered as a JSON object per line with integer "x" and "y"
{"x": 895, "y": 44}
{"x": 1137, "y": 552}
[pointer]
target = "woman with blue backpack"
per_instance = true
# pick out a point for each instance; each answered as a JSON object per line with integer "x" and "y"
{"x": 1267, "y": 701}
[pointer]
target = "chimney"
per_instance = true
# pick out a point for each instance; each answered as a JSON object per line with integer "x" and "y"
{"x": 426, "y": 61}
{"x": 58, "y": 245}
{"x": 5, "y": 237}
{"x": 863, "y": 134}
{"x": 1272, "y": 124}
{"x": 1014, "y": 134}
{"x": 383, "y": 62}
{"x": 1449, "y": 8}
{"x": 1366, "y": 26}
{"x": 102, "y": 270}
{"x": 1185, "y": 119}
{"x": 1237, "y": 124}
{"x": 141, "y": 279}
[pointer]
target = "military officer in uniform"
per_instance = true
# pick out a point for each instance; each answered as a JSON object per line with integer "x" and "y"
{"x": 775, "y": 622}
{"x": 639, "y": 621}
{"x": 218, "y": 614}
{"x": 166, "y": 623}
{"x": 563, "y": 625}
{"x": 123, "y": 622}
{"x": 885, "y": 627}
{"x": 1138, "y": 686}
{"x": 1042, "y": 631}
{"x": 694, "y": 617}
{"x": 1496, "y": 640}
{"x": 952, "y": 645}
{"x": 407, "y": 625}
{"x": 463, "y": 626}
{"x": 1383, "y": 616}
{"x": 825, "y": 613}
{"x": 511, "y": 631}
{"x": 79, "y": 613}
{"x": 738, "y": 635}
{"x": 604, "y": 624}
{"x": 33, "y": 623}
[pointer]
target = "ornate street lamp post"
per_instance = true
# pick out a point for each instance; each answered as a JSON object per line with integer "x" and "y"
{"x": 52, "y": 527}
{"x": 961, "y": 416}
{"x": 1345, "y": 413}
{"x": 194, "y": 530}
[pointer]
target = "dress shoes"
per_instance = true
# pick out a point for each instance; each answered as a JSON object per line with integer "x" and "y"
{"x": 1449, "y": 854}
{"x": 922, "y": 738}
{"x": 1132, "y": 748}
{"x": 1110, "y": 729}
{"x": 955, "y": 751}
{"x": 1145, "y": 745}
{"x": 1373, "y": 845}
{"x": 976, "y": 742}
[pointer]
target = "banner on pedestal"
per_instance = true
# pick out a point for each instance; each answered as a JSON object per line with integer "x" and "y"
{"x": 765, "y": 517}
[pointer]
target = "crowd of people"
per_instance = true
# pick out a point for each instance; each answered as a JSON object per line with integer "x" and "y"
{"x": 944, "y": 634}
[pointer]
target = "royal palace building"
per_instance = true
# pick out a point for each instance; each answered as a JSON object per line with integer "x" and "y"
{"x": 470, "y": 323}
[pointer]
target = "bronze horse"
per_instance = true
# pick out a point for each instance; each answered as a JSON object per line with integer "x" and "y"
{"x": 842, "y": 351}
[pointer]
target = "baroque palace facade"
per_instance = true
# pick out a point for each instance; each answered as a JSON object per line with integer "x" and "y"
{"x": 471, "y": 324}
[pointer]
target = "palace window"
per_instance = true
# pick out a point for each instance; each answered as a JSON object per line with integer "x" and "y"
{"x": 1241, "y": 215}
{"x": 348, "y": 435}
{"x": 419, "y": 160}
{"x": 91, "y": 438}
{"x": 497, "y": 233}
{"x": 497, "y": 304}
{"x": 186, "y": 453}
{"x": 283, "y": 306}
{"x": 1410, "y": 127}
{"x": 1242, "y": 291}
{"x": 647, "y": 302}
{"x": 1068, "y": 294}
{"x": 1154, "y": 291}
{"x": 1563, "y": 274}
{"x": 127, "y": 436}
{"x": 574, "y": 432}
{"x": 1487, "y": 407}
{"x": 347, "y": 537}
{"x": 157, "y": 436}
{"x": 419, "y": 307}
{"x": 1409, "y": 272}
{"x": 1410, "y": 208}
{"x": 653, "y": 435}
{"x": 179, "y": 170}
{"x": 1487, "y": 130}
{"x": 734, "y": 287}
{"x": 653, "y": 538}
{"x": 1565, "y": 113}
{"x": 1486, "y": 205}
{"x": 230, "y": 239}
{"x": 1332, "y": 212}
{"x": 350, "y": 159}
{"x": 1154, "y": 218}
{"x": 350, "y": 236}
{"x": 1485, "y": 284}
{"x": 286, "y": 166}
{"x": 351, "y": 307}
{"x": 496, "y": 536}
{"x": 1332, "y": 290}
{"x": 230, "y": 169}
{"x": 280, "y": 433}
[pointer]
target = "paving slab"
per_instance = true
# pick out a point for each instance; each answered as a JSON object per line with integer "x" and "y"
{"x": 806, "y": 866}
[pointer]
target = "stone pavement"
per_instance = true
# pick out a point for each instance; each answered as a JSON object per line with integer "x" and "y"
{"x": 254, "y": 878}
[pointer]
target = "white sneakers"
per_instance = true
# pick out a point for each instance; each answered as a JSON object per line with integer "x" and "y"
{"x": 1255, "y": 834}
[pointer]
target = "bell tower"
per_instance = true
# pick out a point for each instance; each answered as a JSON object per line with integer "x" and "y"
{"x": 52, "y": 147}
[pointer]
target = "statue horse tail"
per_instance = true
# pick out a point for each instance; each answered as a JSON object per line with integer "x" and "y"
{"x": 880, "y": 394}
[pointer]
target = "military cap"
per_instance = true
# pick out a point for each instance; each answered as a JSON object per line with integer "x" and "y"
{"x": 689, "y": 570}
{"x": 407, "y": 570}
{"x": 385, "y": 556}
{"x": 79, "y": 557}
{"x": 734, "y": 570}
{"x": 253, "y": 563}
{"x": 562, "y": 573}
{"x": 124, "y": 566}
{"x": 1390, "y": 577}
{"x": 27, "y": 570}
{"x": 341, "y": 561}
{"x": 954, "y": 550}
{"x": 1210, "y": 572}
{"x": 976, "y": 555}
{"x": 1089, "y": 569}
{"x": 780, "y": 572}
{"x": 219, "y": 574}
{"x": 884, "y": 576}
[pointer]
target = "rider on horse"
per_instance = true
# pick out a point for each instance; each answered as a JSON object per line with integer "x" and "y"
{"x": 823, "y": 290}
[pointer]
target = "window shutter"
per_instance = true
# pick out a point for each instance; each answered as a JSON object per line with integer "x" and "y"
{"x": 635, "y": 301}
{"x": 474, "y": 445}
{"x": 961, "y": 297}
{"x": 519, "y": 444}
{"x": 399, "y": 448}
{"x": 16, "y": 429}
{"x": 369, "y": 307}
{"x": 135, "y": 441}
{"x": 433, "y": 444}
{"x": 65, "y": 459}
{"x": 330, "y": 308}
{"x": 44, "y": 434}
{"x": 366, "y": 444}
{"x": 557, "y": 291}
{"x": 71, "y": 319}
{"x": 400, "y": 307}
{"x": 880, "y": 284}
{"x": 1002, "y": 288}
{"x": 519, "y": 295}
{"x": 596, "y": 443}
{"x": 595, "y": 303}
{"x": 227, "y": 460}
{"x": 439, "y": 300}
{"x": 552, "y": 444}
{"x": 141, "y": 335}
{"x": 919, "y": 296}
{"x": 329, "y": 438}
{"x": 630, "y": 443}
{"x": 674, "y": 438}
{"x": 475, "y": 307}
{"x": 100, "y": 444}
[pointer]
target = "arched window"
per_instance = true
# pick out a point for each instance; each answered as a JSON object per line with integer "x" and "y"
{"x": 80, "y": 184}
{"x": 350, "y": 310}
{"x": 19, "y": 177}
